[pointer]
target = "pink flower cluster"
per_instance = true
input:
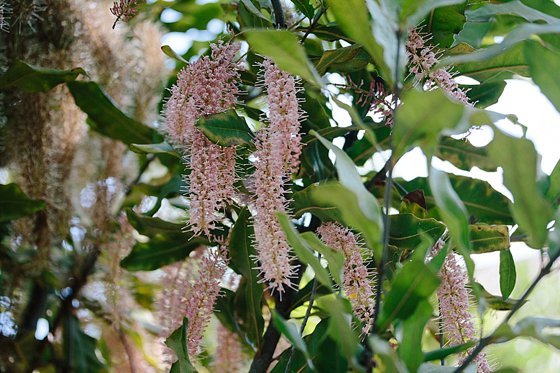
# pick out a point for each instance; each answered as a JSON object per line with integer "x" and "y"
{"x": 277, "y": 156}
{"x": 206, "y": 87}
{"x": 200, "y": 296}
{"x": 453, "y": 298}
{"x": 357, "y": 279}
{"x": 124, "y": 10}
{"x": 421, "y": 60}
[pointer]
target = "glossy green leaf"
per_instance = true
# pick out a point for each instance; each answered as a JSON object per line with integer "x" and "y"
{"x": 462, "y": 154}
{"x": 291, "y": 332}
{"x": 410, "y": 348}
{"x": 149, "y": 226}
{"x": 284, "y": 49}
{"x": 226, "y": 128}
{"x": 367, "y": 218}
{"x": 487, "y": 238}
{"x": 507, "y": 273}
{"x": 519, "y": 161}
{"x": 242, "y": 252}
{"x": 352, "y": 17}
{"x": 407, "y": 230}
{"x": 161, "y": 148}
{"x": 14, "y": 203}
{"x": 104, "y": 117}
{"x": 79, "y": 348}
{"x": 168, "y": 51}
{"x": 350, "y": 58}
{"x": 452, "y": 209}
{"x": 302, "y": 250}
{"x": 177, "y": 341}
{"x": 442, "y": 353}
{"x": 485, "y": 94}
{"x": 305, "y": 7}
{"x": 335, "y": 259}
{"x": 541, "y": 62}
{"x": 414, "y": 282}
{"x": 445, "y": 23}
{"x": 160, "y": 251}
{"x": 413, "y": 12}
{"x": 484, "y": 204}
{"x": 33, "y": 79}
{"x": 340, "y": 328}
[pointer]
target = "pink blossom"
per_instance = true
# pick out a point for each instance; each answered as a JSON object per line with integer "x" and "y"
{"x": 421, "y": 60}
{"x": 453, "y": 295}
{"x": 357, "y": 278}
{"x": 277, "y": 156}
{"x": 124, "y": 10}
{"x": 208, "y": 86}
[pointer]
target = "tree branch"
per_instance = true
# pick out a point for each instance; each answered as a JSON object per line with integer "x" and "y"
{"x": 278, "y": 14}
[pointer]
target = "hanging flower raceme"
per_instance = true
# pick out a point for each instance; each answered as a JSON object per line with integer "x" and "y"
{"x": 124, "y": 10}
{"x": 422, "y": 58}
{"x": 277, "y": 156}
{"x": 208, "y": 86}
{"x": 453, "y": 296}
{"x": 357, "y": 279}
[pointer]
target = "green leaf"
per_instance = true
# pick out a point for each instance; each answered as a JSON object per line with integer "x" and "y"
{"x": 367, "y": 218}
{"x": 177, "y": 341}
{"x": 335, "y": 259}
{"x": 284, "y": 49}
{"x": 414, "y": 282}
{"x": 462, "y": 154}
{"x": 340, "y": 328}
{"x": 414, "y": 11}
{"x": 442, "y": 353}
{"x": 389, "y": 359}
{"x": 432, "y": 368}
{"x": 495, "y": 302}
{"x": 305, "y": 7}
{"x": 541, "y": 62}
{"x": 420, "y": 120}
{"x": 149, "y": 226}
{"x": 519, "y": 161}
{"x": 161, "y": 148}
{"x": 407, "y": 230}
{"x": 484, "y": 204}
{"x": 452, "y": 209}
{"x": 104, "y": 117}
{"x": 302, "y": 250}
{"x": 160, "y": 251}
{"x": 486, "y": 94}
{"x": 79, "y": 348}
{"x": 542, "y": 329}
{"x": 516, "y": 8}
{"x": 242, "y": 251}
{"x": 171, "y": 53}
{"x": 410, "y": 348}
{"x": 291, "y": 332}
{"x": 14, "y": 204}
{"x": 487, "y": 238}
{"x": 33, "y": 79}
{"x": 445, "y": 23}
{"x": 507, "y": 273}
{"x": 345, "y": 59}
{"x": 352, "y": 17}
{"x": 226, "y": 128}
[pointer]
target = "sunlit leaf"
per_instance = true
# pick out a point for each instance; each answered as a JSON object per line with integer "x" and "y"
{"x": 541, "y": 62}
{"x": 291, "y": 332}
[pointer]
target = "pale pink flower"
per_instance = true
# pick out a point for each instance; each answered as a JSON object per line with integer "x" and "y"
{"x": 277, "y": 156}
{"x": 207, "y": 86}
{"x": 453, "y": 296}
{"x": 357, "y": 279}
{"x": 421, "y": 60}
{"x": 124, "y": 10}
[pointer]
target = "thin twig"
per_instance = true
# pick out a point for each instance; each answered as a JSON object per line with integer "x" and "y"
{"x": 314, "y": 22}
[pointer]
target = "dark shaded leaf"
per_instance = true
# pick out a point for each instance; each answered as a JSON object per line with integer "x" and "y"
{"x": 410, "y": 349}
{"x": 462, "y": 154}
{"x": 407, "y": 230}
{"x": 14, "y": 204}
{"x": 79, "y": 348}
{"x": 32, "y": 79}
{"x": 177, "y": 341}
{"x": 507, "y": 273}
{"x": 226, "y": 128}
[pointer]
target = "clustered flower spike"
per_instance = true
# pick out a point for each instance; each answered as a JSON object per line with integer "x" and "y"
{"x": 453, "y": 296}
{"x": 208, "y": 86}
{"x": 124, "y": 10}
{"x": 421, "y": 60}
{"x": 276, "y": 157}
{"x": 357, "y": 279}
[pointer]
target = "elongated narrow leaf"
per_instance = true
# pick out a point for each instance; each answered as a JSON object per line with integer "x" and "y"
{"x": 104, "y": 117}
{"x": 291, "y": 332}
{"x": 541, "y": 62}
{"x": 340, "y": 328}
{"x": 149, "y": 226}
{"x": 242, "y": 252}
{"x": 414, "y": 11}
{"x": 414, "y": 283}
{"x": 387, "y": 355}
{"x": 226, "y": 128}
{"x": 79, "y": 348}
{"x": 410, "y": 349}
{"x": 517, "y": 8}
{"x": 171, "y": 53}
{"x": 368, "y": 216}
{"x": 495, "y": 302}
{"x": 442, "y": 353}
{"x": 540, "y": 328}
{"x": 160, "y": 251}
{"x": 14, "y": 204}
{"x": 161, "y": 148}
{"x": 487, "y": 238}
{"x": 305, "y": 7}
{"x": 407, "y": 230}
{"x": 507, "y": 273}
{"x": 303, "y": 251}
{"x": 177, "y": 341}
{"x": 335, "y": 258}
{"x": 462, "y": 154}
{"x": 32, "y": 79}
{"x": 350, "y": 58}
{"x": 284, "y": 49}
{"x": 519, "y": 161}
